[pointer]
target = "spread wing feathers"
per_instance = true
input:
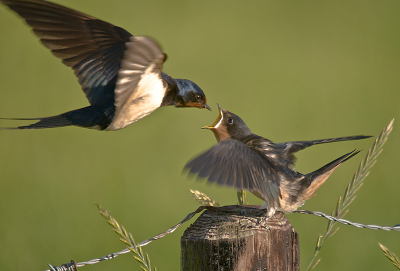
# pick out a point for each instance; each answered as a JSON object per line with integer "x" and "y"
{"x": 139, "y": 89}
{"x": 233, "y": 163}
{"x": 91, "y": 47}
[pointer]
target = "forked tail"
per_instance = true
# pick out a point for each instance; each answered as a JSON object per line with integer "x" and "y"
{"x": 315, "y": 179}
{"x": 87, "y": 117}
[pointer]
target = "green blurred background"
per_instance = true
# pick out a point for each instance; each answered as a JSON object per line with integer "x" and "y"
{"x": 293, "y": 70}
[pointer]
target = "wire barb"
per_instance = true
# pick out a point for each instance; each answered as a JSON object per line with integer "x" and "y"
{"x": 64, "y": 267}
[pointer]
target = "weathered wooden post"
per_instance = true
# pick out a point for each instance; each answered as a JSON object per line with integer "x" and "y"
{"x": 239, "y": 238}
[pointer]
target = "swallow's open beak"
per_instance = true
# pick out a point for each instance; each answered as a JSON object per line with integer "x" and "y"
{"x": 220, "y": 116}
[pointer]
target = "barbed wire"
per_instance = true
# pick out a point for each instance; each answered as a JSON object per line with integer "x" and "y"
{"x": 73, "y": 266}
{"x": 65, "y": 267}
{"x": 69, "y": 267}
{"x": 347, "y": 222}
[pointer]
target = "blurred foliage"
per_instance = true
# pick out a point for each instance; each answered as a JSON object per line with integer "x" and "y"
{"x": 293, "y": 70}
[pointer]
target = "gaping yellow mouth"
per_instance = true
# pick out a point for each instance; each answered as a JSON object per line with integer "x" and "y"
{"x": 220, "y": 115}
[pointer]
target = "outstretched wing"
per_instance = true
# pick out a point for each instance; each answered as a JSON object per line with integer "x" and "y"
{"x": 233, "y": 163}
{"x": 91, "y": 47}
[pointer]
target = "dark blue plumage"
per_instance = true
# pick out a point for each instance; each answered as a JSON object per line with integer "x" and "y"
{"x": 121, "y": 75}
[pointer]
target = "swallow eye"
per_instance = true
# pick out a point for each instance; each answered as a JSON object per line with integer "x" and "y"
{"x": 198, "y": 97}
{"x": 230, "y": 121}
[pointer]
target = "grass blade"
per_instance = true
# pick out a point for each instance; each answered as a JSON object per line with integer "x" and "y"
{"x": 391, "y": 256}
{"x": 127, "y": 239}
{"x": 203, "y": 199}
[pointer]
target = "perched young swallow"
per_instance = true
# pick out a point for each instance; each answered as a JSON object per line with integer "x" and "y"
{"x": 121, "y": 75}
{"x": 247, "y": 161}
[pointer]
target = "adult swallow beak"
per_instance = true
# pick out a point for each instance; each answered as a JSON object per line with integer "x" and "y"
{"x": 207, "y": 107}
{"x": 220, "y": 116}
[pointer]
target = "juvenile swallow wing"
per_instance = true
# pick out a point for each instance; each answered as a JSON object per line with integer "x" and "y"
{"x": 233, "y": 163}
{"x": 91, "y": 47}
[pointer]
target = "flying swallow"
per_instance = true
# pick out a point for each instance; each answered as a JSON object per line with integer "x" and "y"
{"x": 121, "y": 75}
{"x": 247, "y": 161}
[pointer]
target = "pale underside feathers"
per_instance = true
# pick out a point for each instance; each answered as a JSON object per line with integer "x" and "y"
{"x": 139, "y": 89}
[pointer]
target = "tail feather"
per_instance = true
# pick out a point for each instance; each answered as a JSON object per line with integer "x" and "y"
{"x": 20, "y": 118}
{"x": 48, "y": 122}
{"x": 87, "y": 117}
{"x": 332, "y": 164}
{"x": 337, "y": 139}
{"x": 295, "y": 146}
{"x": 316, "y": 178}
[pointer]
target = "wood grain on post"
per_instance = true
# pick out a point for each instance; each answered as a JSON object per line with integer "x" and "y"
{"x": 239, "y": 238}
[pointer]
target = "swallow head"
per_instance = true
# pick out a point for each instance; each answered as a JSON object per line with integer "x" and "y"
{"x": 228, "y": 126}
{"x": 190, "y": 95}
